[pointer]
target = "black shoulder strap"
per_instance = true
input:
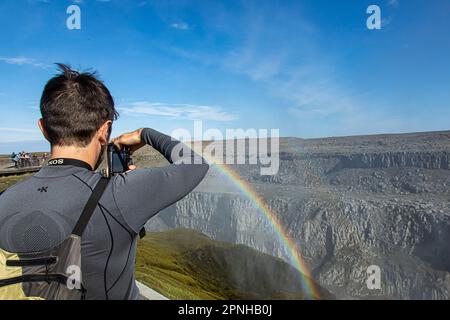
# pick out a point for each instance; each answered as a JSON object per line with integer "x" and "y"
{"x": 90, "y": 206}
{"x": 142, "y": 233}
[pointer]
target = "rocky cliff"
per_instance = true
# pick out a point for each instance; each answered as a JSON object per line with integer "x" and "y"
{"x": 348, "y": 203}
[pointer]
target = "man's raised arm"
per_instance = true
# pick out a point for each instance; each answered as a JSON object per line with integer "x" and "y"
{"x": 140, "y": 194}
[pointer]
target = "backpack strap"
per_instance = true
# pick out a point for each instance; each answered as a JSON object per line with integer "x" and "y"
{"x": 142, "y": 233}
{"x": 90, "y": 206}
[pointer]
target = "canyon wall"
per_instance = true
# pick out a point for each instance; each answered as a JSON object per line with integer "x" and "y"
{"x": 345, "y": 210}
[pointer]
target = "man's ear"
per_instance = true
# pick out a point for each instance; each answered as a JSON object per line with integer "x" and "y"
{"x": 41, "y": 126}
{"x": 104, "y": 132}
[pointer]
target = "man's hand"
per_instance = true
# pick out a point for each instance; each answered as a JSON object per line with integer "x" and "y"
{"x": 131, "y": 139}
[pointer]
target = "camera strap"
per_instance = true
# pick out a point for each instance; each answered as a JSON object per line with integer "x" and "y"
{"x": 69, "y": 162}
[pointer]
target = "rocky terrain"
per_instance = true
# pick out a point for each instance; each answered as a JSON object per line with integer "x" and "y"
{"x": 348, "y": 203}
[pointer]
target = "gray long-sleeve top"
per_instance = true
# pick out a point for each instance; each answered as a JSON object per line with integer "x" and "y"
{"x": 41, "y": 211}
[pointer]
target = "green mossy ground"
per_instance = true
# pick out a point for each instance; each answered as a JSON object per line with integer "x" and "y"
{"x": 185, "y": 264}
{"x": 6, "y": 182}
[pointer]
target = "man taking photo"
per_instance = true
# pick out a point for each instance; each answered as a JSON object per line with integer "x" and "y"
{"x": 38, "y": 213}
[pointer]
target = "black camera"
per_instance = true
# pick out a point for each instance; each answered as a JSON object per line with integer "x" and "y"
{"x": 118, "y": 160}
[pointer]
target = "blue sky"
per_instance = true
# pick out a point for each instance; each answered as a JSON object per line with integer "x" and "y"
{"x": 309, "y": 68}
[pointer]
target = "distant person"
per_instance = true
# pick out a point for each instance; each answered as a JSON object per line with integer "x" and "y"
{"x": 15, "y": 158}
{"x": 34, "y": 160}
{"x": 44, "y": 157}
{"x": 38, "y": 213}
{"x": 26, "y": 160}
{"x": 22, "y": 159}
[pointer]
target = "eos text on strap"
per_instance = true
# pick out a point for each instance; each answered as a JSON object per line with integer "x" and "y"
{"x": 68, "y": 162}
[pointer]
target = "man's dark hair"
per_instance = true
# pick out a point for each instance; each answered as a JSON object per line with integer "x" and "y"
{"x": 74, "y": 106}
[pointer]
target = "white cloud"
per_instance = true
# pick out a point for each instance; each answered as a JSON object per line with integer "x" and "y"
{"x": 13, "y": 135}
{"x": 178, "y": 111}
{"x": 280, "y": 50}
{"x": 386, "y": 21}
{"x": 22, "y": 61}
{"x": 7, "y": 129}
{"x": 311, "y": 88}
{"x": 393, "y": 3}
{"x": 321, "y": 97}
{"x": 246, "y": 61}
{"x": 20, "y": 139}
{"x": 309, "y": 83}
{"x": 180, "y": 26}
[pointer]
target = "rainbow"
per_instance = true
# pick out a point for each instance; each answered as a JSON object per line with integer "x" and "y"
{"x": 295, "y": 258}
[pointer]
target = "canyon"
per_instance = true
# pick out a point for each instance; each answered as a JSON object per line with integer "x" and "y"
{"x": 347, "y": 203}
